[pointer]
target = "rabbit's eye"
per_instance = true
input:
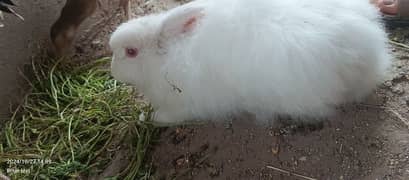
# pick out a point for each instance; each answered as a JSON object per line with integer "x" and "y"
{"x": 131, "y": 52}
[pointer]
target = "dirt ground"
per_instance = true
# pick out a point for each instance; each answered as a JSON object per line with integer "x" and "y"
{"x": 368, "y": 140}
{"x": 363, "y": 141}
{"x": 19, "y": 41}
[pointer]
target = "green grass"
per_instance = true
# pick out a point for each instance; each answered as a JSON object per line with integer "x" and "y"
{"x": 75, "y": 118}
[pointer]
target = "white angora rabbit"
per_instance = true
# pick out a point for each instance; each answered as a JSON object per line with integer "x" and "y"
{"x": 212, "y": 58}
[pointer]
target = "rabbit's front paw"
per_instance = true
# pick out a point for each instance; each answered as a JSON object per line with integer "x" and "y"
{"x": 167, "y": 118}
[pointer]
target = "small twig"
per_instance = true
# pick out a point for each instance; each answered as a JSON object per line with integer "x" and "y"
{"x": 290, "y": 173}
{"x": 399, "y": 44}
{"x": 340, "y": 148}
{"x": 393, "y": 111}
{"x": 16, "y": 14}
{"x": 1, "y": 18}
{"x": 372, "y": 106}
{"x": 399, "y": 116}
{"x": 174, "y": 87}
{"x": 190, "y": 169}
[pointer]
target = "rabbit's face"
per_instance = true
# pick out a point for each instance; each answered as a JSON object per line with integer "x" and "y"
{"x": 136, "y": 50}
{"x": 140, "y": 45}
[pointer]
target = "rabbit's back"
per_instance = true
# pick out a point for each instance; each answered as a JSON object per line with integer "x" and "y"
{"x": 295, "y": 57}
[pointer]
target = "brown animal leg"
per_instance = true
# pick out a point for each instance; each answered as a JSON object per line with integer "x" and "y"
{"x": 64, "y": 30}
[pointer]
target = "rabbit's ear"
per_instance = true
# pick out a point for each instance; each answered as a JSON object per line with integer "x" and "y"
{"x": 181, "y": 22}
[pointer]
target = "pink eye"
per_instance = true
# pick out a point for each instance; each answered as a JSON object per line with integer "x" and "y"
{"x": 131, "y": 52}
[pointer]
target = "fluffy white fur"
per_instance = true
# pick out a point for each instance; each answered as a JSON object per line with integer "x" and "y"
{"x": 294, "y": 57}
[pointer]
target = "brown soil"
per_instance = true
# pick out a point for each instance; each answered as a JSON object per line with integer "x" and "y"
{"x": 19, "y": 40}
{"x": 363, "y": 141}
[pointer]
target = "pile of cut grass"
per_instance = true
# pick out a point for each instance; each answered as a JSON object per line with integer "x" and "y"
{"x": 72, "y": 124}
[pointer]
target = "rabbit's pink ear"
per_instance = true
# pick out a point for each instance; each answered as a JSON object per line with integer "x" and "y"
{"x": 181, "y": 21}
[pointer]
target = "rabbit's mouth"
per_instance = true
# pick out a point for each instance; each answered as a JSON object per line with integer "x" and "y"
{"x": 117, "y": 73}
